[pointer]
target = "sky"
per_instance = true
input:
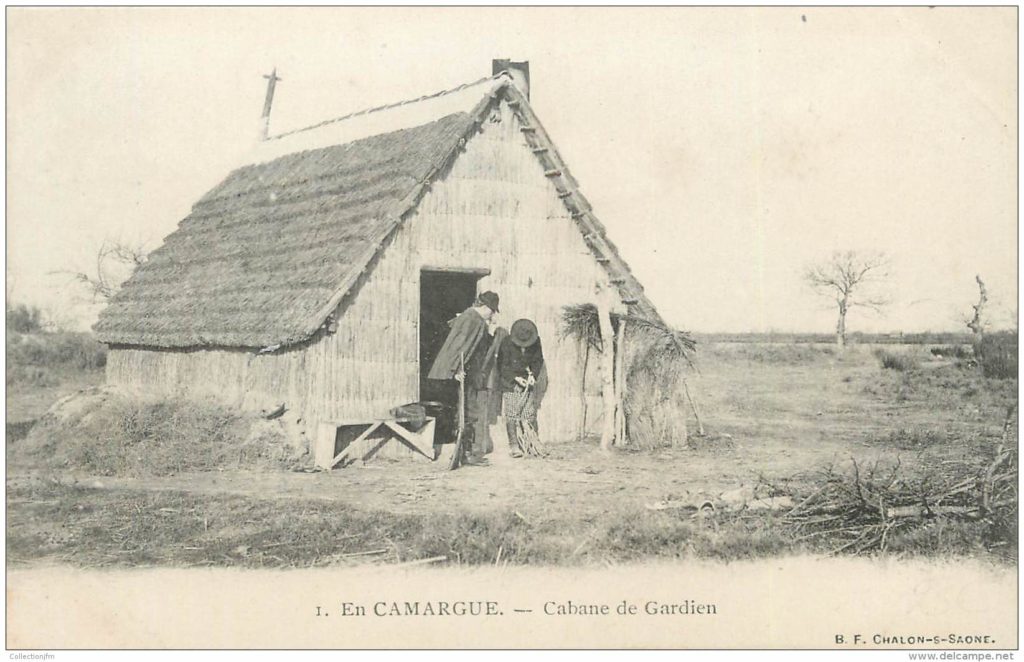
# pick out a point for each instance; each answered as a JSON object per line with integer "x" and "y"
{"x": 724, "y": 149}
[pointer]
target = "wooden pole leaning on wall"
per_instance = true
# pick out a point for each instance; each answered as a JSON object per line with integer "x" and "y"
{"x": 604, "y": 317}
{"x": 693, "y": 405}
{"x": 585, "y": 350}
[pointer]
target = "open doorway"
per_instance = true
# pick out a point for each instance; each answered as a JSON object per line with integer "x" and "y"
{"x": 443, "y": 295}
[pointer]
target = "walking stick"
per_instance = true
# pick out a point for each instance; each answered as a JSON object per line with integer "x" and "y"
{"x": 460, "y": 436}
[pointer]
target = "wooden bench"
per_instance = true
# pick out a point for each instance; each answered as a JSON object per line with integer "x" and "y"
{"x": 341, "y": 441}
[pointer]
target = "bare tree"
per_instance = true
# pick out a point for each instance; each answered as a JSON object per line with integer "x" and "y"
{"x": 115, "y": 261}
{"x": 852, "y": 279}
{"x": 977, "y": 323}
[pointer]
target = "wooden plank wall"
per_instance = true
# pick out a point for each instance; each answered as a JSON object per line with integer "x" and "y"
{"x": 495, "y": 210}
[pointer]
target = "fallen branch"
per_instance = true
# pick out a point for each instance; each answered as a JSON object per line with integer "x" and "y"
{"x": 366, "y": 553}
{"x": 930, "y": 511}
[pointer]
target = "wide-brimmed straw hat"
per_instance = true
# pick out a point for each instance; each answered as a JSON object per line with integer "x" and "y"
{"x": 523, "y": 333}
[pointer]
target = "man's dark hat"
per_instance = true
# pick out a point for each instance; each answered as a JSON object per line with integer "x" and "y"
{"x": 489, "y": 299}
{"x": 523, "y": 333}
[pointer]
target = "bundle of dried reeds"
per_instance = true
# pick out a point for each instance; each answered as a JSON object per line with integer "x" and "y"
{"x": 528, "y": 439}
{"x": 579, "y": 321}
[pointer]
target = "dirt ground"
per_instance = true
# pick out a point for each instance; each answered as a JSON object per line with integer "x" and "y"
{"x": 776, "y": 418}
{"x": 770, "y": 412}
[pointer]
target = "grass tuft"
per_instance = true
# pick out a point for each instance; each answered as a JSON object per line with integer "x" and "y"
{"x": 896, "y": 361}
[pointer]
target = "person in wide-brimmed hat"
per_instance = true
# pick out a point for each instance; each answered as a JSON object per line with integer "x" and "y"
{"x": 520, "y": 360}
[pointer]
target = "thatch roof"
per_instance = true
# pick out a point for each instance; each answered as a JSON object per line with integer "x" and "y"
{"x": 266, "y": 256}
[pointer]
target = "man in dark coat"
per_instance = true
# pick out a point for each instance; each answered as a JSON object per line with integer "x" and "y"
{"x": 520, "y": 361}
{"x": 469, "y": 340}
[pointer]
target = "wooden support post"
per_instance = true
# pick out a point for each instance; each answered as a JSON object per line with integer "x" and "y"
{"x": 607, "y": 368}
{"x": 323, "y": 451}
{"x": 620, "y": 384}
{"x": 585, "y": 350}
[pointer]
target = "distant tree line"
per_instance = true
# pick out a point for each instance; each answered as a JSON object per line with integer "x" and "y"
{"x": 853, "y": 338}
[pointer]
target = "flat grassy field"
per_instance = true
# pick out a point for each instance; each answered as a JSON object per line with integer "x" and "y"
{"x": 782, "y": 421}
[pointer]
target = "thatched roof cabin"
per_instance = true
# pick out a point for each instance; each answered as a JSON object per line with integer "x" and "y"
{"x": 318, "y": 274}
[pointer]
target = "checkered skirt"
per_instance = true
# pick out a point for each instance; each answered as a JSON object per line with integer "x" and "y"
{"x": 519, "y": 404}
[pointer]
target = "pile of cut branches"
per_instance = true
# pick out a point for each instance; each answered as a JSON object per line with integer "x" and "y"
{"x": 860, "y": 510}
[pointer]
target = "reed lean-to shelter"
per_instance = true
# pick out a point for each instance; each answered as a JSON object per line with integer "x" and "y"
{"x": 322, "y": 273}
